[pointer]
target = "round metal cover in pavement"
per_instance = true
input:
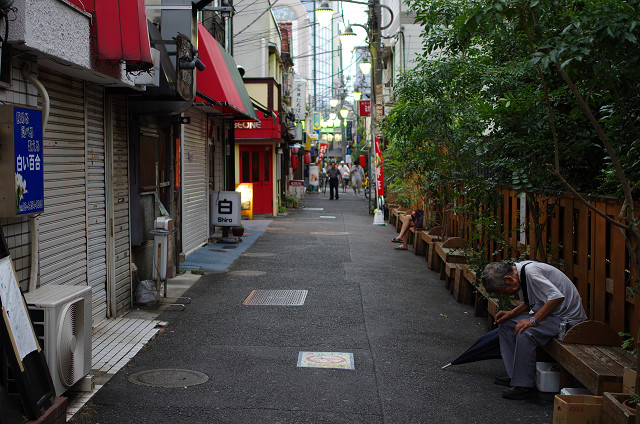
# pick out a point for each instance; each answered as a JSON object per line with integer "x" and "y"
{"x": 168, "y": 378}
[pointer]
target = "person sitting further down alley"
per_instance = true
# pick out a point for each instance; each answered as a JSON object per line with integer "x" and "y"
{"x": 550, "y": 298}
{"x": 413, "y": 220}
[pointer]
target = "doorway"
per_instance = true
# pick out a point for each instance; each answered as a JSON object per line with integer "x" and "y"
{"x": 256, "y": 168}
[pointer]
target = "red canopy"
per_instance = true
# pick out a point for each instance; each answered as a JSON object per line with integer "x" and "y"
{"x": 120, "y": 28}
{"x": 221, "y": 81}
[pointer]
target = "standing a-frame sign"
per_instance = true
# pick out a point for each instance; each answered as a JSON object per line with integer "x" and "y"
{"x": 26, "y": 359}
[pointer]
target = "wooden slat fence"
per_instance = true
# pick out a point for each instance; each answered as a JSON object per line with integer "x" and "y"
{"x": 590, "y": 250}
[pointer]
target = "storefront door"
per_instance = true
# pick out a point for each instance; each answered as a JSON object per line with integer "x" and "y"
{"x": 255, "y": 167}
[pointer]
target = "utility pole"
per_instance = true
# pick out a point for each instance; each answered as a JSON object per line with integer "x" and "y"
{"x": 376, "y": 95}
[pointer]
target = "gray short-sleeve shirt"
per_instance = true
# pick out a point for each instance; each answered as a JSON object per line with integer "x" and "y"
{"x": 546, "y": 282}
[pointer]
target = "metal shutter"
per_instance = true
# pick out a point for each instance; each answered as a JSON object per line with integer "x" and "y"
{"x": 62, "y": 233}
{"x": 195, "y": 190}
{"x": 96, "y": 201}
{"x": 120, "y": 187}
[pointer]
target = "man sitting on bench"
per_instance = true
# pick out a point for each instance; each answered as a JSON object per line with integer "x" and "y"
{"x": 550, "y": 298}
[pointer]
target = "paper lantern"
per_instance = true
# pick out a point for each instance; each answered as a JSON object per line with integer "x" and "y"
{"x": 363, "y": 160}
{"x": 307, "y": 158}
{"x": 294, "y": 162}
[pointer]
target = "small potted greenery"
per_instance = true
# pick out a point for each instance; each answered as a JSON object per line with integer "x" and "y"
{"x": 292, "y": 201}
{"x": 237, "y": 231}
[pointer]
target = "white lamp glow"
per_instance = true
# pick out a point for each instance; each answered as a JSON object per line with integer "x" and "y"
{"x": 334, "y": 102}
{"x": 365, "y": 67}
{"x": 332, "y": 116}
{"x": 344, "y": 113}
{"x": 357, "y": 96}
{"x": 324, "y": 14}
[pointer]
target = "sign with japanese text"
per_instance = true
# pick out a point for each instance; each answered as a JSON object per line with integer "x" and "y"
{"x": 379, "y": 169}
{"x": 365, "y": 107}
{"x": 27, "y": 149}
{"x": 322, "y": 150}
{"x": 298, "y": 100}
{"x": 226, "y": 208}
{"x": 317, "y": 121}
{"x": 349, "y": 131}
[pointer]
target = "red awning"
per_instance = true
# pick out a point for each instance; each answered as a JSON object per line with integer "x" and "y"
{"x": 222, "y": 85}
{"x": 121, "y": 32}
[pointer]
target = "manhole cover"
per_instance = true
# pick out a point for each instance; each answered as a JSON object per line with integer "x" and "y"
{"x": 168, "y": 378}
{"x": 329, "y": 233}
{"x": 247, "y": 273}
{"x": 276, "y": 297}
{"x": 258, "y": 254}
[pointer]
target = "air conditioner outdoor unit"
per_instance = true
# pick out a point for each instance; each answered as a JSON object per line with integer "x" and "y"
{"x": 61, "y": 318}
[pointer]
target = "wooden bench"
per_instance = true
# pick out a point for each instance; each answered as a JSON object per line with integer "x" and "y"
{"x": 430, "y": 238}
{"x": 463, "y": 288}
{"x": 394, "y": 215}
{"x": 448, "y": 252}
{"x": 590, "y": 351}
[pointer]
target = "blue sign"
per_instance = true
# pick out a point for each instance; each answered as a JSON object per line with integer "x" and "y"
{"x": 27, "y": 140}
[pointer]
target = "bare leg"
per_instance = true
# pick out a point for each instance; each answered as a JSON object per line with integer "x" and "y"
{"x": 405, "y": 236}
{"x": 404, "y": 231}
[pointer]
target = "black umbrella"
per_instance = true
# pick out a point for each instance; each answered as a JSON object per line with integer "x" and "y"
{"x": 487, "y": 347}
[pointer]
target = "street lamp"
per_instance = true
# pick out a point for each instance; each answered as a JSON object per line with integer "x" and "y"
{"x": 365, "y": 67}
{"x": 334, "y": 102}
{"x": 324, "y": 14}
{"x": 357, "y": 96}
{"x": 344, "y": 113}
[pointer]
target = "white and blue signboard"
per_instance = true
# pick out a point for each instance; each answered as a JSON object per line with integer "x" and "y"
{"x": 29, "y": 176}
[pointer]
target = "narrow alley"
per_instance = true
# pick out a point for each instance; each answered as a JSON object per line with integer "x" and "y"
{"x": 379, "y": 315}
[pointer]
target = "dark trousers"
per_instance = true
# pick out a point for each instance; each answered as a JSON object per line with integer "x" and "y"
{"x": 333, "y": 185}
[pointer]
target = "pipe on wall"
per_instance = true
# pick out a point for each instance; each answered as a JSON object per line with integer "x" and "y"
{"x": 33, "y": 220}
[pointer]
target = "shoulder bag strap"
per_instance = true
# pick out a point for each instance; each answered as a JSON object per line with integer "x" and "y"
{"x": 523, "y": 284}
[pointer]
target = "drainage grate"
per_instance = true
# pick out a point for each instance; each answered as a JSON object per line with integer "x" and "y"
{"x": 258, "y": 254}
{"x": 276, "y": 297}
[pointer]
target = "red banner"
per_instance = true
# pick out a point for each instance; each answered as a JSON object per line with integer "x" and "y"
{"x": 365, "y": 107}
{"x": 322, "y": 151}
{"x": 379, "y": 169}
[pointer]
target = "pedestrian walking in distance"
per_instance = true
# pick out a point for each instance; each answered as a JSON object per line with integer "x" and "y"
{"x": 334, "y": 181}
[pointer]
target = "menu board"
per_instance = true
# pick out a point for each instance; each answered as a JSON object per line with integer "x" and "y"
{"x": 15, "y": 312}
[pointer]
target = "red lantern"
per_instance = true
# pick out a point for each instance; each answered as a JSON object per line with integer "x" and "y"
{"x": 294, "y": 161}
{"x": 307, "y": 158}
{"x": 363, "y": 160}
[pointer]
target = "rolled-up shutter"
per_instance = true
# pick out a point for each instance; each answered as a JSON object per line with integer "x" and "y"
{"x": 62, "y": 234}
{"x": 120, "y": 187}
{"x": 96, "y": 201}
{"x": 195, "y": 190}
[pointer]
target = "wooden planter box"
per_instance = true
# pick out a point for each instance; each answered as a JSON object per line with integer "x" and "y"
{"x": 613, "y": 412}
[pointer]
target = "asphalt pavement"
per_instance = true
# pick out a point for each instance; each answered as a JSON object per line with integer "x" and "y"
{"x": 366, "y": 345}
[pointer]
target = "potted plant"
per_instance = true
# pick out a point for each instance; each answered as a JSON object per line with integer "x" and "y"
{"x": 237, "y": 231}
{"x": 292, "y": 201}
